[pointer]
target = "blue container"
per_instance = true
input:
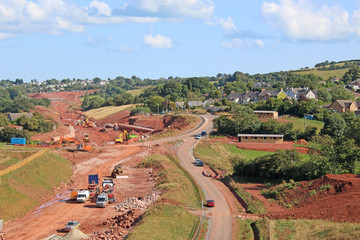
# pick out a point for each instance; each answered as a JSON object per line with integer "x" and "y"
{"x": 93, "y": 178}
{"x": 18, "y": 141}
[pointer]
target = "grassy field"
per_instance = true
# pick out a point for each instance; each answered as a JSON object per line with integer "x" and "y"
{"x": 221, "y": 156}
{"x": 299, "y": 123}
{"x": 170, "y": 216}
{"x": 324, "y": 74}
{"x": 137, "y": 92}
{"x": 22, "y": 189}
{"x": 10, "y": 155}
{"x": 103, "y": 112}
{"x": 313, "y": 229}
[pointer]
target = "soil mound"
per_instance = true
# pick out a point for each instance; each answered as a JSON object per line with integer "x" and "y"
{"x": 331, "y": 197}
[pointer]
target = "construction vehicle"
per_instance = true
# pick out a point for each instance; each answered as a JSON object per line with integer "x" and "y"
{"x": 79, "y": 145}
{"x": 93, "y": 186}
{"x": 83, "y": 196}
{"x": 111, "y": 198}
{"x": 108, "y": 185}
{"x": 117, "y": 171}
{"x": 86, "y": 138}
{"x": 123, "y": 137}
{"x": 73, "y": 195}
{"x": 102, "y": 200}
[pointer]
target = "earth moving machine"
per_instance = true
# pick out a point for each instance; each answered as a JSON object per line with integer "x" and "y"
{"x": 79, "y": 145}
{"x": 86, "y": 138}
{"x": 117, "y": 171}
{"x": 102, "y": 200}
{"x": 83, "y": 196}
{"x": 93, "y": 186}
{"x": 122, "y": 137}
{"x": 108, "y": 185}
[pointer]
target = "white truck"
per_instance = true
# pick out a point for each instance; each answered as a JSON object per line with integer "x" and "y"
{"x": 102, "y": 200}
{"x": 83, "y": 196}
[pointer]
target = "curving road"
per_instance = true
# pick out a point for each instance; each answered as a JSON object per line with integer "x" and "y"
{"x": 219, "y": 218}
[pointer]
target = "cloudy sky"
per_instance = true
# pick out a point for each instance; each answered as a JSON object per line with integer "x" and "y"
{"x": 44, "y": 39}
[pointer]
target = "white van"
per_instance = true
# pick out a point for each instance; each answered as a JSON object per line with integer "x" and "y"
{"x": 83, "y": 196}
{"x": 102, "y": 200}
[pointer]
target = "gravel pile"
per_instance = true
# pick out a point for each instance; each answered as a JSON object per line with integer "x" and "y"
{"x": 137, "y": 203}
{"x": 119, "y": 226}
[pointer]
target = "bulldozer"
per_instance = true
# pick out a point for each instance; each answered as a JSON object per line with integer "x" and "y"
{"x": 122, "y": 137}
{"x": 79, "y": 145}
{"x": 117, "y": 171}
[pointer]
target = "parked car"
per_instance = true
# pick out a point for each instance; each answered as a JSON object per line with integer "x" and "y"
{"x": 203, "y": 133}
{"x": 200, "y": 163}
{"x": 197, "y": 161}
{"x": 210, "y": 203}
{"x": 70, "y": 225}
{"x": 198, "y": 136}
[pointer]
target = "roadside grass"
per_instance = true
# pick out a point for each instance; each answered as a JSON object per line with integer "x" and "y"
{"x": 137, "y": 92}
{"x": 299, "y": 123}
{"x": 247, "y": 154}
{"x": 103, "y": 112}
{"x": 22, "y": 189}
{"x": 313, "y": 229}
{"x": 191, "y": 119}
{"x": 170, "y": 217}
{"x": 324, "y": 74}
{"x": 10, "y": 156}
{"x": 243, "y": 230}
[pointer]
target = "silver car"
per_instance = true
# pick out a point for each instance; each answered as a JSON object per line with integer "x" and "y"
{"x": 71, "y": 225}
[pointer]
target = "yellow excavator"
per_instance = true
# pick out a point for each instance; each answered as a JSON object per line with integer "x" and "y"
{"x": 122, "y": 137}
{"x": 117, "y": 171}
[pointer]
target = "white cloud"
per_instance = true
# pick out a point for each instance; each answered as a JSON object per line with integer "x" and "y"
{"x": 158, "y": 41}
{"x": 226, "y": 24}
{"x": 174, "y": 8}
{"x": 100, "y": 8}
{"x": 239, "y": 43}
{"x": 259, "y": 43}
{"x": 302, "y": 20}
{"x": 6, "y": 35}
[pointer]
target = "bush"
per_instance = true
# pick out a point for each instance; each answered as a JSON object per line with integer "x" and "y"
{"x": 140, "y": 110}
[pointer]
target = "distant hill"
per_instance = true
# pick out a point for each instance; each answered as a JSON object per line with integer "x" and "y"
{"x": 327, "y": 69}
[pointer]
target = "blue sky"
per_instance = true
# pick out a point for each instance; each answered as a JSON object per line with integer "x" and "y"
{"x": 45, "y": 39}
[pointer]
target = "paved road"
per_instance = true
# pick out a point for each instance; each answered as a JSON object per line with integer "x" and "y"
{"x": 219, "y": 223}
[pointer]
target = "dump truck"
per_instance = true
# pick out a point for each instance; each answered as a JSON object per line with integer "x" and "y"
{"x": 93, "y": 186}
{"x": 117, "y": 171}
{"x": 108, "y": 185}
{"x": 83, "y": 196}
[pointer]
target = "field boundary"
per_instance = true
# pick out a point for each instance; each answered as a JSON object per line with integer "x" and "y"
{"x": 22, "y": 163}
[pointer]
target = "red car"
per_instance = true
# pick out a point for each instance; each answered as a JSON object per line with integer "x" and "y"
{"x": 210, "y": 203}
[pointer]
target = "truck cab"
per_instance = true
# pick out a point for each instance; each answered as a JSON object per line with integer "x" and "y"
{"x": 83, "y": 196}
{"x": 102, "y": 200}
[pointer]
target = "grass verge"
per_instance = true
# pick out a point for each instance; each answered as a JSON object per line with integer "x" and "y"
{"x": 299, "y": 123}
{"x": 22, "y": 189}
{"x": 313, "y": 229}
{"x": 171, "y": 216}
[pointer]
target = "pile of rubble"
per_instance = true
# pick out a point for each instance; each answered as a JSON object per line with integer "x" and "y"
{"x": 119, "y": 226}
{"x": 137, "y": 203}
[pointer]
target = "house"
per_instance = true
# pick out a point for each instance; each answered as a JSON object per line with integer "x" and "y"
{"x": 266, "y": 94}
{"x": 267, "y": 114}
{"x": 234, "y": 97}
{"x": 195, "y": 104}
{"x": 211, "y": 102}
{"x": 249, "y": 97}
{"x": 344, "y": 106}
{"x": 180, "y": 105}
{"x": 300, "y": 93}
{"x": 14, "y": 116}
{"x": 261, "y": 138}
{"x": 354, "y": 85}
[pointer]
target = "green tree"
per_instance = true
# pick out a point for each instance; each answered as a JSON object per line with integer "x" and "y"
{"x": 155, "y": 103}
{"x": 340, "y": 93}
{"x": 352, "y": 74}
{"x": 334, "y": 125}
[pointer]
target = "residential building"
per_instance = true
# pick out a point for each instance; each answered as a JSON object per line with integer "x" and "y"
{"x": 14, "y": 116}
{"x": 261, "y": 138}
{"x": 195, "y": 104}
{"x": 300, "y": 93}
{"x": 267, "y": 94}
{"x": 343, "y": 106}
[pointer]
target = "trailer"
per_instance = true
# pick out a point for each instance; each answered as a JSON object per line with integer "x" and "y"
{"x": 18, "y": 141}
